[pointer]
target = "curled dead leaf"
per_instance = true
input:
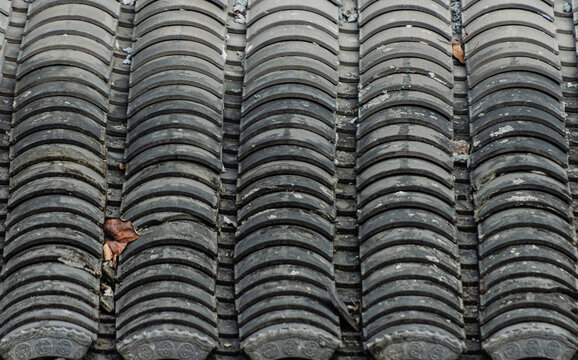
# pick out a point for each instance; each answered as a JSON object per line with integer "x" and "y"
{"x": 116, "y": 249}
{"x": 107, "y": 252}
{"x": 117, "y": 233}
{"x": 120, "y": 230}
{"x": 458, "y": 51}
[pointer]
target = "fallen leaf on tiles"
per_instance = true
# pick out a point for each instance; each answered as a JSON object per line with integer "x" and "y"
{"x": 117, "y": 234}
{"x": 116, "y": 248}
{"x": 458, "y": 51}
{"x": 107, "y": 252}
{"x": 120, "y": 230}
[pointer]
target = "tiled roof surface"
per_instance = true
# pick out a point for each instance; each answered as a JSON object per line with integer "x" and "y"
{"x": 311, "y": 179}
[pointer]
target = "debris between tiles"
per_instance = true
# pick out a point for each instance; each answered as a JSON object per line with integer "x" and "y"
{"x": 240, "y": 18}
{"x": 128, "y": 52}
{"x": 460, "y": 147}
{"x": 240, "y": 10}
{"x": 456, "y": 9}
{"x": 350, "y": 14}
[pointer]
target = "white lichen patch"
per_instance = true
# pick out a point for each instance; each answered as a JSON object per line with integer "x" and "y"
{"x": 298, "y": 196}
{"x": 522, "y": 198}
{"x": 376, "y": 101}
{"x": 502, "y": 130}
{"x": 384, "y": 49}
{"x": 433, "y": 76}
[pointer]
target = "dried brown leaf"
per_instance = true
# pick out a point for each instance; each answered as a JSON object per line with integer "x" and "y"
{"x": 458, "y": 51}
{"x": 117, "y": 233}
{"x": 120, "y": 230}
{"x": 116, "y": 247}
{"x": 107, "y": 252}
